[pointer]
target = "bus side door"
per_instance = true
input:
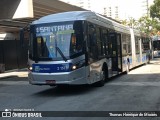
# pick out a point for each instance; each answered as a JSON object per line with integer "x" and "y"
{"x": 116, "y": 54}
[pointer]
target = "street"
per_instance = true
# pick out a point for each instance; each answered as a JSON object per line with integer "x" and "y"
{"x": 136, "y": 91}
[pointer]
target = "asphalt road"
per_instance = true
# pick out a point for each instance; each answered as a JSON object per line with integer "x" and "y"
{"x": 136, "y": 91}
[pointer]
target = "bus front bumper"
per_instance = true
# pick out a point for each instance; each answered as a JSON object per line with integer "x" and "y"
{"x": 71, "y": 78}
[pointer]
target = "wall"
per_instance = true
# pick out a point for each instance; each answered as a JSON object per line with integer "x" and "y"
{"x": 12, "y": 54}
{"x": 12, "y": 9}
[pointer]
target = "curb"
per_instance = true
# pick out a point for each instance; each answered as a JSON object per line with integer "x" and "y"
{"x": 14, "y": 73}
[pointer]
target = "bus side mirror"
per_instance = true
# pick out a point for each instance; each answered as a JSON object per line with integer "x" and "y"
{"x": 21, "y": 37}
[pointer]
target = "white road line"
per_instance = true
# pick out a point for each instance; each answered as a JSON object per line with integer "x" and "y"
{"x": 135, "y": 83}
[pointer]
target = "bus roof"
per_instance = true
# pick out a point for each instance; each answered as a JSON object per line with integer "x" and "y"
{"x": 66, "y": 16}
{"x": 83, "y": 15}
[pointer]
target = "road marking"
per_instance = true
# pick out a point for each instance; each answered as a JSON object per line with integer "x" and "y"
{"x": 135, "y": 83}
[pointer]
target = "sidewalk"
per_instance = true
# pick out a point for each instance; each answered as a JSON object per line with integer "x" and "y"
{"x": 14, "y": 73}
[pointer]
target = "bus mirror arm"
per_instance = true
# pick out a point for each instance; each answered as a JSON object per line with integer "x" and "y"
{"x": 22, "y": 32}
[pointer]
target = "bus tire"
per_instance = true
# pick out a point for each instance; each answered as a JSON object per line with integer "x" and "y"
{"x": 103, "y": 79}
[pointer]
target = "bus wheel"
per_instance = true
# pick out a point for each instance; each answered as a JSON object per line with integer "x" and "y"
{"x": 102, "y": 81}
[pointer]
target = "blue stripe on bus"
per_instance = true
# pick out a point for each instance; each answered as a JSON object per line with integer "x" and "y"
{"x": 51, "y": 68}
{"x": 144, "y": 58}
{"x": 125, "y": 61}
{"x": 138, "y": 59}
{"x": 130, "y": 60}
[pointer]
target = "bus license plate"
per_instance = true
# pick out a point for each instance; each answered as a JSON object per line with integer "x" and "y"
{"x": 50, "y": 81}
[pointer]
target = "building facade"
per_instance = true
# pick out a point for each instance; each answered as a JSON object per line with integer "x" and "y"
{"x": 116, "y": 9}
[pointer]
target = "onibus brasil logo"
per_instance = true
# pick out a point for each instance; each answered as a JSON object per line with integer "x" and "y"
{"x": 20, "y": 113}
{"x": 7, "y": 113}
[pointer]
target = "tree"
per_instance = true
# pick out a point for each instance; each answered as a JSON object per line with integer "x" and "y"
{"x": 124, "y": 22}
{"x": 145, "y": 24}
{"x": 155, "y": 14}
{"x": 131, "y": 22}
{"x": 155, "y": 9}
{"x": 148, "y": 25}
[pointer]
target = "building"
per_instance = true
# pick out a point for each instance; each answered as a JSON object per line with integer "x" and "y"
{"x": 116, "y": 9}
{"x": 86, "y": 4}
{"x": 112, "y": 12}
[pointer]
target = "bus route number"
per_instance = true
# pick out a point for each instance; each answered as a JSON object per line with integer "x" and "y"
{"x": 62, "y": 68}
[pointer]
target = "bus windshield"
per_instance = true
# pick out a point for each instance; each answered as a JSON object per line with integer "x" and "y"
{"x": 156, "y": 45}
{"x": 54, "y": 41}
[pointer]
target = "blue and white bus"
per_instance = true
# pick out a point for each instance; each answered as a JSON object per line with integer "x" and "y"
{"x": 82, "y": 47}
{"x": 156, "y": 46}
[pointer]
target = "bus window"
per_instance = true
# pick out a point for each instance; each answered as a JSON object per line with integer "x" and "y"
{"x": 145, "y": 44}
{"x": 156, "y": 45}
{"x": 137, "y": 45}
{"x": 76, "y": 45}
{"x": 104, "y": 37}
{"x": 128, "y": 41}
{"x": 41, "y": 47}
{"x": 99, "y": 42}
{"x": 124, "y": 45}
{"x": 93, "y": 52}
{"x": 112, "y": 38}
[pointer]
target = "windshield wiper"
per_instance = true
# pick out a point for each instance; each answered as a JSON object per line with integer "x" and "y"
{"x": 60, "y": 52}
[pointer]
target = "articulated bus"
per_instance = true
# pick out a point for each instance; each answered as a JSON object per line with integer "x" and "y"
{"x": 82, "y": 47}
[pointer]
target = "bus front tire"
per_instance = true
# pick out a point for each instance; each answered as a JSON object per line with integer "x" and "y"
{"x": 102, "y": 81}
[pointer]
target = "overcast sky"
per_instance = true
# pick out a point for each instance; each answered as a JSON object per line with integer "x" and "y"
{"x": 127, "y": 8}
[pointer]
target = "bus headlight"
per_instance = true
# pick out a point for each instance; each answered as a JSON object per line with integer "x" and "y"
{"x": 74, "y": 67}
{"x": 78, "y": 65}
{"x": 30, "y": 68}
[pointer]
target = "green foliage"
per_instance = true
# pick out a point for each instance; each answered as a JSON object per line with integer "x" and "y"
{"x": 149, "y": 25}
{"x": 131, "y": 22}
{"x": 155, "y": 14}
{"x": 155, "y": 9}
{"x": 145, "y": 24}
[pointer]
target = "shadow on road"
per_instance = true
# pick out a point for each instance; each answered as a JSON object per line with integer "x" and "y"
{"x": 66, "y": 90}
